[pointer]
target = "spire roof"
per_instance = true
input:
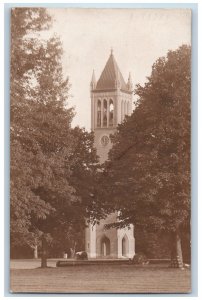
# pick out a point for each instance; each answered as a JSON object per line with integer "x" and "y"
{"x": 111, "y": 76}
{"x": 93, "y": 77}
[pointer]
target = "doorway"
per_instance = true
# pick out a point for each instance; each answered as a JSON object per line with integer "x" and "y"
{"x": 125, "y": 246}
{"x": 105, "y": 246}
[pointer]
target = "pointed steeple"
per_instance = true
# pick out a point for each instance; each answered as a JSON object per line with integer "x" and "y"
{"x": 111, "y": 77}
{"x": 93, "y": 81}
{"x": 129, "y": 83}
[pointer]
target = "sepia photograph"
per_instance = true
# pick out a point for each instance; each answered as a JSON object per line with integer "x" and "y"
{"x": 100, "y": 150}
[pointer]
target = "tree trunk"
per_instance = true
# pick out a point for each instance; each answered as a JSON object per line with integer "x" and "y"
{"x": 44, "y": 253}
{"x": 35, "y": 251}
{"x": 176, "y": 251}
{"x": 73, "y": 250}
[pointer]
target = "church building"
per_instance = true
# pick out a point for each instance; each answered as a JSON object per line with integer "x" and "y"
{"x": 111, "y": 101}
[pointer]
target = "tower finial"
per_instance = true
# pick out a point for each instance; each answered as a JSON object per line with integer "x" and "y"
{"x": 130, "y": 84}
{"x": 93, "y": 81}
{"x": 112, "y": 51}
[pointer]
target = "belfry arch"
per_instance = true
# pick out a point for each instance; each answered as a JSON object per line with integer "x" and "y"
{"x": 105, "y": 108}
{"x": 99, "y": 113}
{"x": 122, "y": 110}
{"x": 125, "y": 109}
{"x": 111, "y": 112}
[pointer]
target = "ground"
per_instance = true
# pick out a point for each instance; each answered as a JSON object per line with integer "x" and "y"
{"x": 26, "y": 276}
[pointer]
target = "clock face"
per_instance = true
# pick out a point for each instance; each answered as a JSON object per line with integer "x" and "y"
{"x": 104, "y": 140}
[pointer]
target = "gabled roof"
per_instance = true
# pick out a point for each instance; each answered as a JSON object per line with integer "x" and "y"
{"x": 111, "y": 76}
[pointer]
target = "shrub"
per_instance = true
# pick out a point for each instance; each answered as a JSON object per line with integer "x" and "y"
{"x": 140, "y": 259}
{"x": 82, "y": 255}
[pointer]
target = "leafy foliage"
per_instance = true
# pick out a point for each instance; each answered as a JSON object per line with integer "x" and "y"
{"x": 50, "y": 161}
{"x": 24, "y": 202}
{"x": 140, "y": 259}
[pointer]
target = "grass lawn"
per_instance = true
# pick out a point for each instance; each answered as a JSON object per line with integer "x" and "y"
{"x": 27, "y": 277}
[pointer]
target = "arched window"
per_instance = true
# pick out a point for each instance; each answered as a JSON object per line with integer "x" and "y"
{"x": 105, "y": 246}
{"x": 111, "y": 113}
{"x": 125, "y": 109}
{"x": 122, "y": 110}
{"x": 125, "y": 246}
{"x": 99, "y": 113}
{"x": 104, "y": 113}
{"x": 128, "y": 108}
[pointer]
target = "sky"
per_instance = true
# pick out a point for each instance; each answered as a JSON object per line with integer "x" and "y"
{"x": 138, "y": 38}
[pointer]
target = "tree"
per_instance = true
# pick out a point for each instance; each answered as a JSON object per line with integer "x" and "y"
{"x": 66, "y": 224}
{"x": 23, "y": 62}
{"x": 147, "y": 177}
{"x": 44, "y": 147}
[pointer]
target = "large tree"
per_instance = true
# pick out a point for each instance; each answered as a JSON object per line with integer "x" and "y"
{"x": 45, "y": 195}
{"x": 147, "y": 177}
{"x": 66, "y": 224}
{"x": 24, "y": 57}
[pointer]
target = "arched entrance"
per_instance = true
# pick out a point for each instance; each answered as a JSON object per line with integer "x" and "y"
{"x": 125, "y": 246}
{"x": 105, "y": 246}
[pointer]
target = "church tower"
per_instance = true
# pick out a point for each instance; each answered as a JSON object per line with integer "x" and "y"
{"x": 111, "y": 101}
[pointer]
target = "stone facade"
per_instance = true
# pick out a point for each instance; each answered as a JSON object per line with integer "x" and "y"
{"x": 111, "y": 101}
